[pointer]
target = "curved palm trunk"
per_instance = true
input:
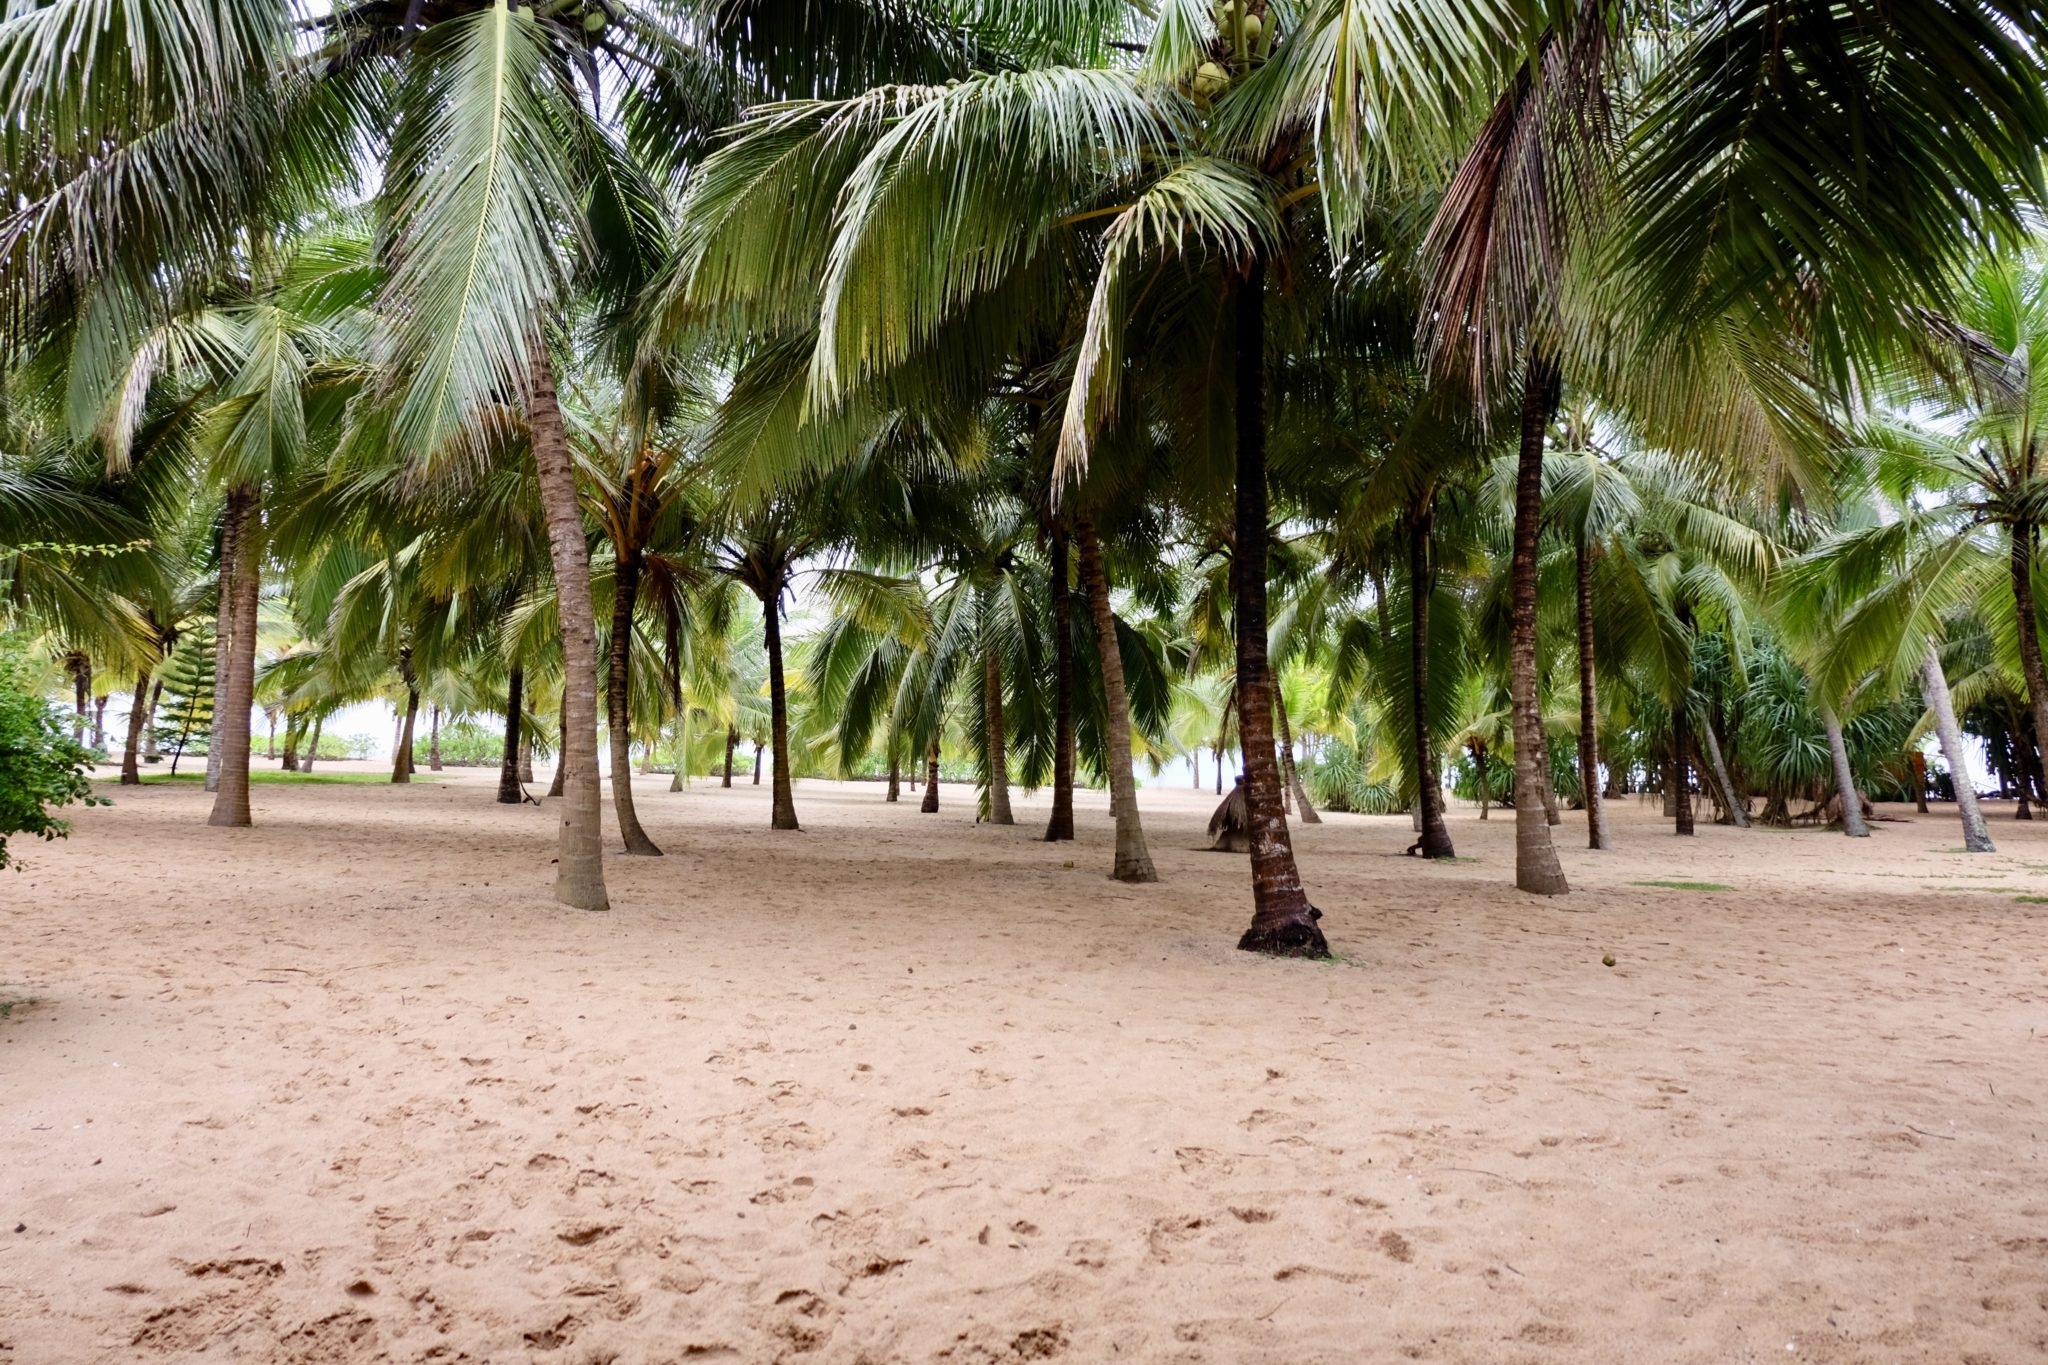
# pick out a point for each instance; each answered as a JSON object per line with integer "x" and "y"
{"x": 1681, "y": 767}
{"x": 294, "y": 735}
{"x": 2030, "y": 645}
{"x": 778, "y": 712}
{"x": 930, "y": 804}
{"x": 231, "y": 800}
{"x": 1133, "y": 861}
{"x": 1435, "y": 840}
{"x": 1283, "y": 922}
{"x": 401, "y": 761}
{"x": 509, "y": 793}
{"x": 312, "y": 745}
{"x": 223, "y": 635}
{"x": 1589, "y": 711}
{"x": 1934, "y": 688}
{"x": 1731, "y": 799}
{"x": 1845, "y": 779}
{"x": 1288, "y": 770}
{"x": 138, "y": 714}
{"x": 619, "y": 705}
{"x": 1536, "y": 866}
{"x": 579, "y": 873}
{"x": 557, "y": 782}
{"x": 998, "y": 755}
{"x": 1060, "y": 826}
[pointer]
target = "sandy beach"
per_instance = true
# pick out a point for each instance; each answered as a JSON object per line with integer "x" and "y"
{"x": 348, "y": 1087}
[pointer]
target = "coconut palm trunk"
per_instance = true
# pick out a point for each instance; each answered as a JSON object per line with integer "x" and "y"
{"x": 998, "y": 755}
{"x": 784, "y": 816}
{"x": 561, "y": 773}
{"x": 151, "y": 752}
{"x": 1288, "y": 769}
{"x": 579, "y": 871}
{"x": 618, "y": 697}
{"x": 1536, "y": 866}
{"x": 1479, "y": 774}
{"x": 401, "y": 761}
{"x": 138, "y": 715}
{"x": 732, "y": 741}
{"x": 1681, "y": 768}
{"x": 1060, "y": 826}
{"x": 509, "y": 793}
{"x": 895, "y": 792}
{"x": 434, "y": 738}
{"x": 1283, "y": 921}
{"x": 231, "y": 799}
{"x": 2028, "y": 627}
{"x": 294, "y": 735}
{"x": 1845, "y": 778}
{"x": 930, "y": 804}
{"x": 223, "y": 637}
{"x": 1133, "y": 862}
{"x": 1589, "y": 710}
{"x": 1731, "y": 800}
{"x": 1934, "y": 689}
{"x": 1435, "y": 840}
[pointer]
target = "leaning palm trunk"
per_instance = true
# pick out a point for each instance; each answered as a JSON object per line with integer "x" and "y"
{"x": 1934, "y": 688}
{"x": 312, "y": 745}
{"x": 1536, "y": 866}
{"x": 1589, "y": 711}
{"x": 1428, "y": 811}
{"x": 784, "y": 816}
{"x": 998, "y": 755}
{"x": 138, "y": 713}
{"x": 1731, "y": 799}
{"x": 1060, "y": 826}
{"x": 1845, "y": 779}
{"x": 619, "y": 706}
{"x": 1283, "y": 921}
{"x": 223, "y": 637}
{"x": 1133, "y": 861}
{"x": 1292, "y": 774}
{"x": 401, "y": 758}
{"x": 2027, "y": 623}
{"x": 509, "y": 793}
{"x": 231, "y": 800}
{"x": 579, "y": 875}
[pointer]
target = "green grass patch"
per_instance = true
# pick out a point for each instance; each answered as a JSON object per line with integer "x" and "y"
{"x": 273, "y": 777}
{"x": 10, "y": 1002}
{"x": 2032, "y": 900}
{"x": 1687, "y": 886}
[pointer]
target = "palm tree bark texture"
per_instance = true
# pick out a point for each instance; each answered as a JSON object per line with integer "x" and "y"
{"x": 1537, "y": 869}
{"x": 579, "y": 873}
{"x": 231, "y": 800}
{"x": 1283, "y": 921}
{"x": 618, "y": 700}
{"x": 1133, "y": 861}
{"x": 1435, "y": 840}
{"x": 1060, "y": 826}
{"x": 784, "y": 815}
{"x": 509, "y": 792}
{"x": 1589, "y": 710}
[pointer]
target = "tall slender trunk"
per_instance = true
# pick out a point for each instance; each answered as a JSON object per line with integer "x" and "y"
{"x": 1429, "y": 788}
{"x": 402, "y": 765}
{"x": 895, "y": 792}
{"x": 1536, "y": 866}
{"x": 294, "y": 735}
{"x": 434, "y": 737}
{"x": 223, "y": 634}
{"x": 1222, "y": 732}
{"x": 231, "y": 799}
{"x": 1289, "y": 771}
{"x": 757, "y": 762}
{"x": 1916, "y": 763}
{"x": 618, "y": 699}
{"x": 1133, "y": 862}
{"x": 1060, "y": 825}
{"x": 732, "y": 741}
{"x": 680, "y": 778}
{"x": 1681, "y": 766}
{"x": 138, "y": 715}
{"x": 313, "y": 746}
{"x": 525, "y": 753}
{"x": 579, "y": 871}
{"x": 2028, "y": 625}
{"x": 1589, "y": 711}
{"x": 1195, "y": 764}
{"x": 1730, "y": 798}
{"x": 558, "y": 783}
{"x": 998, "y": 754}
{"x": 509, "y": 793}
{"x": 99, "y": 726}
{"x": 1283, "y": 922}
{"x": 1479, "y": 770}
{"x": 1934, "y": 688}
{"x": 931, "y": 780}
{"x": 778, "y": 710}
{"x": 1845, "y": 779}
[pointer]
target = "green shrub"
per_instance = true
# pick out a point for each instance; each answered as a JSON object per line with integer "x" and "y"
{"x": 41, "y": 767}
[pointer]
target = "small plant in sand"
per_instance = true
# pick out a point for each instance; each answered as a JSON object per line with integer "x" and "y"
{"x": 42, "y": 768}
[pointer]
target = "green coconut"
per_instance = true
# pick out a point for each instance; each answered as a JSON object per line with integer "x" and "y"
{"x": 1251, "y": 30}
{"x": 595, "y": 21}
{"x": 1211, "y": 80}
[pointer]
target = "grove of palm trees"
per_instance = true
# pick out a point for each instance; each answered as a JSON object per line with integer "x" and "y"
{"x": 1233, "y": 680}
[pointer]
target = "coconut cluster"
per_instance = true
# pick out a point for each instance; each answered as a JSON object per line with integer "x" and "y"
{"x": 1244, "y": 35}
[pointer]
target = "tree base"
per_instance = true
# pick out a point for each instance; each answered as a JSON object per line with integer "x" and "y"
{"x": 1134, "y": 870}
{"x": 1295, "y": 936}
